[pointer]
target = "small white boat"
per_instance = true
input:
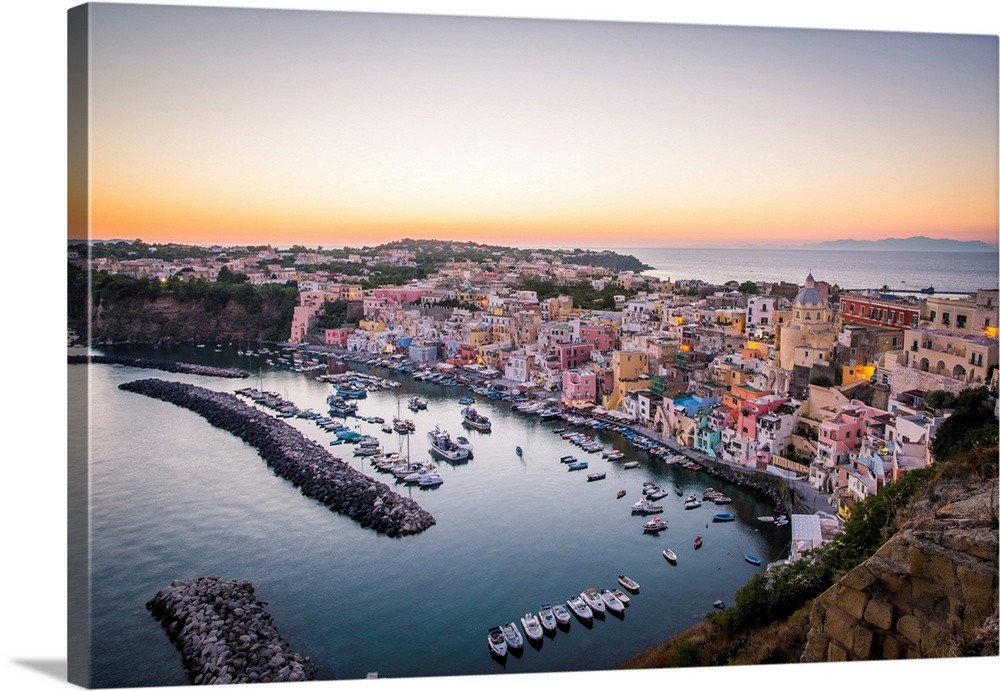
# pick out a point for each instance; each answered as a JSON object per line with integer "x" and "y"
{"x": 630, "y": 465}
{"x": 547, "y": 618}
{"x": 765, "y": 519}
{"x": 611, "y": 602}
{"x": 531, "y": 625}
{"x": 670, "y": 556}
{"x": 654, "y": 526}
{"x": 497, "y": 642}
{"x": 512, "y": 635}
{"x": 692, "y": 504}
{"x": 646, "y": 506}
{"x": 593, "y": 599}
{"x": 622, "y": 597}
{"x": 628, "y": 583}
{"x": 561, "y": 614}
{"x": 580, "y": 607}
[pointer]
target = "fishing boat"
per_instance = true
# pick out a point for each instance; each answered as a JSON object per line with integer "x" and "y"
{"x": 443, "y": 447}
{"x": 592, "y": 477}
{"x": 580, "y": 607}
{"x": 496, "y": 640}
{"x": 670, "y": 556}
{"x": 752, "y": 559}
{"x": 723, "y": 517}
{"x": 628, "y": 583}
{"x": 697, "y": 542}
{"x": 577, "y": 465}
{"x": 471, "y": 418}
{"x": 654, "y": 526}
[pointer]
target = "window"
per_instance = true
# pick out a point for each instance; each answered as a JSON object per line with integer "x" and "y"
{"x": 945, "y": 318}
{"x": 960, "y": 321}
{"x": 933, "y": 315}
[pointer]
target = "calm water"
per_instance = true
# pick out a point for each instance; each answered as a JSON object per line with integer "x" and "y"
{"x": 945, "y": 271}
{"x": 176, "y": 498}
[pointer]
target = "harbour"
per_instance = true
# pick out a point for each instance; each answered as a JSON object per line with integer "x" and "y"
{"x": 512, "y": 532}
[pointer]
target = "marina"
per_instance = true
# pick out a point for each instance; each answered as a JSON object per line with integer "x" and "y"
{"x": 231, "y": 500}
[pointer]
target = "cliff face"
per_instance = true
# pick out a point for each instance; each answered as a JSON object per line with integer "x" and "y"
{"x": 139, "y": 320}
{"x": 930, "y": 591}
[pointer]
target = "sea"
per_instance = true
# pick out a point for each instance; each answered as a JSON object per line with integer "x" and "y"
{"x": 172, "y": 497}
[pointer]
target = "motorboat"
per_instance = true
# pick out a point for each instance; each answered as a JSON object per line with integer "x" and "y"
{"x": 692, "y": 504}
{"x": 611, "y": 602}
{"x": 430, "y": 480}
{"x": 621, "y": 493}
{"x": 496, "y": 640}
{"x": 752, "y": 559}
{"x": 646, "y": 506}
{"x": 765, "y": 519}
{"x": 628, "y": 583}
{"x": 443, "y": 447}
{"x": 723, "y": 517}
{"x": 722, "y": 500}
{"x": 519, "y": 451}
{"x": 580, "y": 607}
{"x": 670, "y": 556}
{"x": 630, "y": 465}
{"x": 719, "y": 604}
{"x": 547, "y": 618}
{"x": 655, "y": 525}
{"x": 658, "y": 494}
{"x": 531, "y": 625}
{"x": 697, "y": 542}
{"x": 561, "y": 614}
{"x": 567, "y": 459}
{"x": 596, "y": 476}
{"x": 512, "y": 635}
{"x": 622, "y": 597}
{"x": 577, "y": 465}
{"x": 593, "y": 599}
{"x": 464, "y": 443}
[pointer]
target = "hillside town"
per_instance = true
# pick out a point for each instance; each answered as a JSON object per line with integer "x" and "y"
{"x": 805, "y": 381}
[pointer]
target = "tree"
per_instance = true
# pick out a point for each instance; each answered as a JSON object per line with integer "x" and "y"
{"x": 749, "y": 288}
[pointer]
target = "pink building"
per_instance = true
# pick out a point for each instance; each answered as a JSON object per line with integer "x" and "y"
{"x": 337, "y": 337}
{"x": 398, "y": 296}
{"x": 578, "y": 387}
{"x": 572, "y": 355}
{"x": 845, "y": 432}
{"x": 599, "y": 336}
{"x": 754, "y": 409}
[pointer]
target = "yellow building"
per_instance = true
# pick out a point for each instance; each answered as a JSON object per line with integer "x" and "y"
{"x": 629, "y": 370}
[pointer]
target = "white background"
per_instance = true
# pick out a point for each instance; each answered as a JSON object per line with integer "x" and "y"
{"x": 33, "y": 457}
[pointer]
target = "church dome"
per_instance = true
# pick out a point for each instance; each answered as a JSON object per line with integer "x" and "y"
{"x": 809, "y": 296}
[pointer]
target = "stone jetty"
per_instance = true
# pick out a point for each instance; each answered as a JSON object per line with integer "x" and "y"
{"x": 225, "y": 635}
{"x": 303, "y": 462}
{"x": 164, "y": 365}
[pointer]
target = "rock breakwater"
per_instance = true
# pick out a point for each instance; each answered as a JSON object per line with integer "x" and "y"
{"x": 164, "y": 365}
{"x": 225, "y": 635}
{"x": 292, "y": 456}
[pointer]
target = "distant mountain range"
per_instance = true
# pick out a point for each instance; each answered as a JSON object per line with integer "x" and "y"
{"x": 914, "y": 244}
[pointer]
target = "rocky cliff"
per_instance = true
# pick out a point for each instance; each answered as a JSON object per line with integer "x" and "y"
{"x": 165, "y": 319}
{"x": 929, "y": 592}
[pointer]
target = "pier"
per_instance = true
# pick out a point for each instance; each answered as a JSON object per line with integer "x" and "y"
{"x": 163, "y": 365}
{"x": 292, "y": 456}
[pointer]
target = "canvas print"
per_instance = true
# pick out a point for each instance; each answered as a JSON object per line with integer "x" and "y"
{"x": 408, "y": 346}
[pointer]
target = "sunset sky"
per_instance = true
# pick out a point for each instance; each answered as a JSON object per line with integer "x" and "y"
{"x": 240, "y": 126}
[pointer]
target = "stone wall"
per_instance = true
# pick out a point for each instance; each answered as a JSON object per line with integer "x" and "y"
{"x": 910, "y": 378}
{"x": 930, "y": 591}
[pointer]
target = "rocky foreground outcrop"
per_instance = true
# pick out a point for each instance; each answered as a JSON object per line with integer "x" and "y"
{"x": 163, "y": 365}
{"x": 225, "y": 635}
{"x": 929, "y": 592}
{"x": 304, "y": 463}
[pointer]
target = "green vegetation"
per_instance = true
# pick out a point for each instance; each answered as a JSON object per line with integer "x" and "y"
{"x": 337, "y": 314}
{"x": 584, "y": 295}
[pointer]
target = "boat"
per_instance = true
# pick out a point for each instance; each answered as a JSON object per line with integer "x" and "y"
{"x": 496, "y": 640}
{"x": 519, "y": 451}
{"x": 387, "y": 429}
{"x": 622, "y": 597}
{"x": 596, "y": 476}
{"x": 593, "y": 599}
{"x": 561, "y": 614}
{"x": 567, "y": 459}
{"x": 512, "y": 635}
{"x": 692, "y": 504}
{"x": 630, "y": 465}
{"x": 430, "y": 480}
{"x": 719, "y": 604}
{"x": 628, "y": 583}
{"x": 580, "y": 607}
{"x": 646, "y": 506}
{"x": 765, "y": 519}
{"x": 752, "y": 559}
{"x": 697, "y": 542}
{"x": 547, "y": 618}
{"x": 780, "y": 521}
{"x": 621, "y": 493}
{"x": 464, "y": 443}
{"x": 722, "y": 500}
{"x": 655, "y": 525}
{"x": 611, "y": 602}
{"x": 470, "y": 418}
{"x": 670, "y": 555}
{"x": 657, "y": 494}
{"x": 723, "y": 517}
{"x": 443, "y": 447}
{"x": 532, "y": 627}
{"x": 577, "y": 465}
{"x": 466, "y": 400}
